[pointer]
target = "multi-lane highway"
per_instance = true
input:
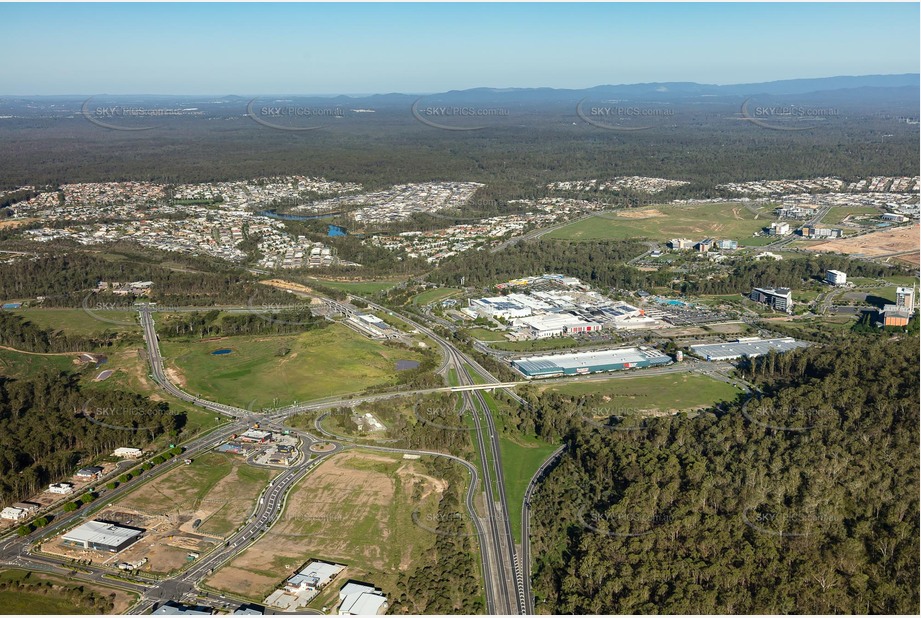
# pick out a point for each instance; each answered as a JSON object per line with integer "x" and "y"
{"x": 506, "y": 577}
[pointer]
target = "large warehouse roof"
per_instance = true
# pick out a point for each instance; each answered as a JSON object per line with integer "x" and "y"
{"x": 540, "y": 364}
{"x": 738, "y": 349}
{"x": 97, "y": 532}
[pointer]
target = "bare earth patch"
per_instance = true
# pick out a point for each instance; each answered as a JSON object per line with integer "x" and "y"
{"x": 355, "y": 510}
{"x": 647, "y": 213}
{"x": 874, "y": 243}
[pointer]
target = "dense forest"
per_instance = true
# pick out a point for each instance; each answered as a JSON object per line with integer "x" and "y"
{"x": 49, "y": 425}
{"x": 804, "y": 501}
{"x": 706, "y": 145}
{"x": 746, "y": 274}
{"x": 65, "y": 280}
{"x": 596, "y": 263}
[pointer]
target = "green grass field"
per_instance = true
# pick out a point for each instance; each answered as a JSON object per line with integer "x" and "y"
{"x": 838, "y": 214}
{"x": 521, "y": 457}
{"x": 682, "y": 391}
{"x": 22, "y": 365}
{"x": 431, "y": 296}
{"x": 755, "y": 241}
{"x": 332, "y": 361}
{"x": 519, "y": 463}
{"x": 358, "y": 287}
{"x": 665, "y": 222}
{"x": 80, "y": 321}
{"x": 20, "y": 602}
{"x": 484, "y": 334}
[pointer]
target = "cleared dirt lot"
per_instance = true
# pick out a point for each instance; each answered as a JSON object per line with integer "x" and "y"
{"x": 875, "y": 243}
{"x": 355, "y": 509}
{"x": 190, "y": 509}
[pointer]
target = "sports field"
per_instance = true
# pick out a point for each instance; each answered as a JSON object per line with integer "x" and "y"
{"x": 667, "y": 221}
{"x": 659, "y": 393}
{"x": 355, "y": 509}
{"x": 268, "y": 371}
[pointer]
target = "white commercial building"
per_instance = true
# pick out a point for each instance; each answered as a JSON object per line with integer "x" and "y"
{"x": 499, "y": 307}
{"x": 13, "y": 513}
{"x": 361, "y": 600}
{"x": 102, "y": 535}
{"x": 127, "y": 452}
{"x": 61, "y": 488}
{"x": 836, "y": 277}
{"x": 554, "y": 324}
{"x": 313, "y": 576}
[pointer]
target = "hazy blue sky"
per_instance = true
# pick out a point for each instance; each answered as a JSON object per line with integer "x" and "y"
{"x": 364, "y": 48}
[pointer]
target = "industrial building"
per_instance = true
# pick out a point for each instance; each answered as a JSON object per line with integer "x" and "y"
{"x": 499, "y": 307}
{"x": 748, "y": 346}
{"x": 314, "y": 576}
{"x": 361, "y": 600}
{"x": 835, "y": 277}
{"x": 255, "y": 435}
{"x": 581, "y": 363}
{"x": 780, "y": 299}
{"x": 893, "y": 315}
{"x": 13, "y": 513}
{"x": 102, "y": 536}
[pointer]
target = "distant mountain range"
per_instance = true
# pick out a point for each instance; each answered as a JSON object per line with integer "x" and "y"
{"x": 865, "y": 91}
{"x": 647, "y": 91}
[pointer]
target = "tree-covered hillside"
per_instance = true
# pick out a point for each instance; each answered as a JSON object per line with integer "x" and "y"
{"x": 803, "y": 502}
